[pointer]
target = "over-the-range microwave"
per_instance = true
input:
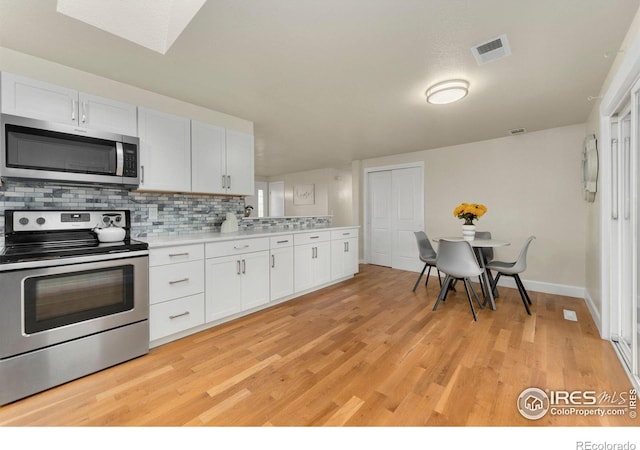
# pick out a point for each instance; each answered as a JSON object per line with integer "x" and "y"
{"x": 41, "y": 150}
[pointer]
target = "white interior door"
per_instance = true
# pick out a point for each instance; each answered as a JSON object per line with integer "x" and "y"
{"x": 395, "y": 210}
{"x": 380, "y": 236}
{"x": 625, "y": 225}
{"x": 407, "y": 209}
{"x": 276, "y": 198}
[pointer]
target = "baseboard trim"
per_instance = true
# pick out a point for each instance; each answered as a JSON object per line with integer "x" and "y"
{"x": 595, "y": 314}
{"x": 540, "y": 286}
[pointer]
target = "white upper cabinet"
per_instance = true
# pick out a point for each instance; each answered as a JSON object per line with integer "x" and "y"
{"x": 240, "y": 162}
{"x": 208, "y": 158}
{"x": 165, "y": 151}
{"x": 107, "y": 115}
{"x": 222, "y": 160}
{"x": 22, "y": 96}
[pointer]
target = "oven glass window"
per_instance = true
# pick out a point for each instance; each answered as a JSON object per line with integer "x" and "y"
{"x": 53, "y": 301}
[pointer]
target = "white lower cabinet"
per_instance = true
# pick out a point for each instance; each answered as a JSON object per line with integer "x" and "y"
{"x": 176, "y": 289}
{"x": 281, "y": 267}
{"x": 239, "y": 281}
{"x": 177, "y": 315}
{"x": 344, "y": 253}
{"x": 192, "y": 286}
{"x": 312, "y": 256}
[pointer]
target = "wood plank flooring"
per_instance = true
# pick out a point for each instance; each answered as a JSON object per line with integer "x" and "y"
{"x": 365, "y": 352}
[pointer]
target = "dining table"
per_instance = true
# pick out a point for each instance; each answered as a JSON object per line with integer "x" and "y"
{"x": 486, "y": 278}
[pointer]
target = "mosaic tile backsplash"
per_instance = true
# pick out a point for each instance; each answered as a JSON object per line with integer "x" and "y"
{"x": 176, "y": 213}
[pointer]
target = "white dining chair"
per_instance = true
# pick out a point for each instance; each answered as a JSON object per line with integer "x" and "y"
{"x": 458, "y": 261}
{"x": 514, "y": 269}
{"x": 427, "y": 255}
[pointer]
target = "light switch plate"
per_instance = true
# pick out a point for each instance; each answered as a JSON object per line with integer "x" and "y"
{"x": 570, "y": 315}
{"x": 153, "y": 212}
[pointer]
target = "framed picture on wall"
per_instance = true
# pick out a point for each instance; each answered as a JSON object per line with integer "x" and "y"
{"x": 304, "y": 194}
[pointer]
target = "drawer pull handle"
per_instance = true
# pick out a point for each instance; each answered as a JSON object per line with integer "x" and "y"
{"x": 240, "y": 247}
{"x": 273, "y": 261}
{"x": 186, "y": 313}
{"x": 181, "y": 280}
{"x": 174, "y": 255}
{"x": 283, "y": 242}
{"x": 314, "y": 237}
{"x": 346, "y": 234}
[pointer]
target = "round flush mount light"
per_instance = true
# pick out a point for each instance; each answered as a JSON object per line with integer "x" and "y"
{"x": 447, "y": 92}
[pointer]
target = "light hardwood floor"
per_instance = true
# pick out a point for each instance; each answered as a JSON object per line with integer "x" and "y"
{"x": 365, "y": 352}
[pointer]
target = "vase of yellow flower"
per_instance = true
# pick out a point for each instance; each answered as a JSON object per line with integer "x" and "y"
{"x": 469, "y": 212}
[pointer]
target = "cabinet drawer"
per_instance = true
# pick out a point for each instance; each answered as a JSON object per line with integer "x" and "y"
{"x": 281, "y": 241}
{"x": 178, "y": 254}
{"x": 175, "y": 280}
{"x": 344, "y": 234}
{"x": 310, "y": 238}
{"x": 175, "y": 316}
{"x": 235, "y": 247}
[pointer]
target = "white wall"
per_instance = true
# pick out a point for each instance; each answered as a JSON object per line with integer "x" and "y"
{"x": 531, "y": 185}
{"x": 333, "y": 194}
{"x": 43, "y": 70}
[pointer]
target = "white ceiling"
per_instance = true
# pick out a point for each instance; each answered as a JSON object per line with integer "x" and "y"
{"x": 330, "y": 81}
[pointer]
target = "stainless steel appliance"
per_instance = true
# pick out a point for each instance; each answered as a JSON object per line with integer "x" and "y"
{"x": 43, "y": 150}
{"x": 70, "y": 305}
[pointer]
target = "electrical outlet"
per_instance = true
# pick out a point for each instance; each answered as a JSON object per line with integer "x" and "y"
{"x": 153, "y": 212}
{"x": 570, "y": 315}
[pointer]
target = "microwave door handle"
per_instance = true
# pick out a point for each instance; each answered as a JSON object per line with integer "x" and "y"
{"x": 119, "y": 159}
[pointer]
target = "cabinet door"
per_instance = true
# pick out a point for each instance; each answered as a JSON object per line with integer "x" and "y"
{"x": 322, "y": 263}
{"x": 255, "y": 279}
{"x": 338, "y": 259}
{"x": 344, "y": 258}
{"x": 23, "y": 96}
{"x": 207, "y": 158}
{"x": 223, "y": 287}
{"x": 107, "y": 115}
{"x": 353, "y": 257}
{"x": 240, "y": 163}
{"x": 304, "y": 257}
{"x": 165, "y": 151}
{"x": 281, "y": 272}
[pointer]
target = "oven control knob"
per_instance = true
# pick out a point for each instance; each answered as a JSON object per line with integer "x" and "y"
{"x": 118, "y": 219}
{"x": 106, "y": 220}
{"x": 23, "y": 221}
{"x": 40, "y": 221}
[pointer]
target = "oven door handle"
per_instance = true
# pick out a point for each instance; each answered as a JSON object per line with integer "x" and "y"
{"x": 73, "y": 260}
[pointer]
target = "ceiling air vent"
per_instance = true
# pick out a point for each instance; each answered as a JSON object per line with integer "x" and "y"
{"x": 492, "y": 49}
{"x": 518, "y": 131}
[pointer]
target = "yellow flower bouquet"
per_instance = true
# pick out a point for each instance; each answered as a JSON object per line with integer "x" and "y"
{"x": 469, "y": 212}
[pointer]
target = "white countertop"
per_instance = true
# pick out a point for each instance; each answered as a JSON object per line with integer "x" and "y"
{"x": 200, "y": 238}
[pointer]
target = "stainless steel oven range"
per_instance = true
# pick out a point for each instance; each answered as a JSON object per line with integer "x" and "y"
{"x": 70, "y": 305}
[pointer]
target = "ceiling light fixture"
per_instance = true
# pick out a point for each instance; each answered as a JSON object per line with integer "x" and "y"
{"x": 447, "y": 92}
